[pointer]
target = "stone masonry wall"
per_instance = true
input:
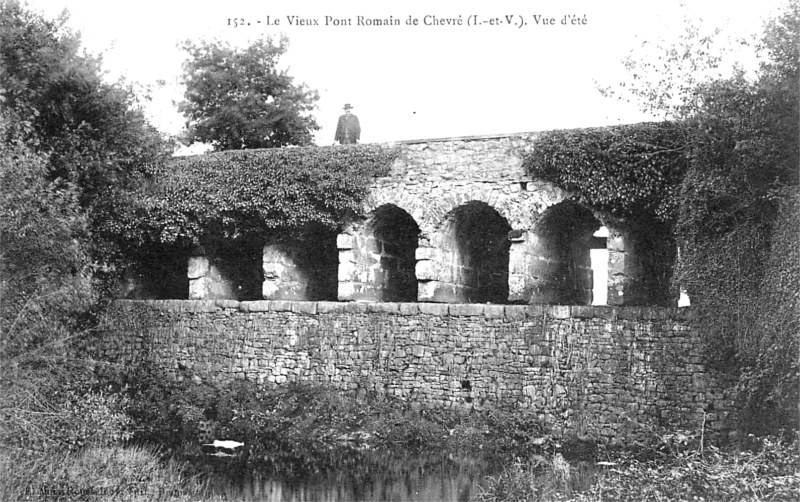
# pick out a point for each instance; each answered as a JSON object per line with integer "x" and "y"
{"x": 604, "y": 373}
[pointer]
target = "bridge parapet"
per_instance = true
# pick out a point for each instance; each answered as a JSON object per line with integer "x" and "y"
{"x": 488, "y": 158}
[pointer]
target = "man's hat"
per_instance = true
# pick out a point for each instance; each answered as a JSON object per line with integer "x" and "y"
{"x": 347, "y": 106}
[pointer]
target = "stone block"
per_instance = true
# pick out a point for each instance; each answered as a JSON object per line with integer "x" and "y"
{"x": 346, "y": 291}
{"x": 258, "y": 306}
{"x": 582, "y": 311}
{"x": 345, "y": 241}
{"x": 517, "y": 264}
{"x": 227, "y": 304}
{"x": 347, "y": 271}
{"x": 425, "y": 253}
{"x": 281, "y": 306}
{"x": 494, "y": 311}
{"x": 607, "y": 313}
{"x": 426, "y": 291}
{"x": 516, "y": 312}
{"x": 616, "y": 263}
{"x": 330, "y": 307}
{"x": 615, "y": 242}
{"x": 300, "y": 307}
{"x": 198, "y": 288}
{"x": 270, "y": 289}
{"x": 466, "y": 309}
{"x": 347, "y": 256}
{"x": 383, "y": 307}
{"x": 448, "y": 293}
{"x": 425, "y": 270}
{"x": 439, "y": 309}
{"x": 356, "y": 307}
{"x": 273, "y": 270}
{"x": 517, "y": 236}
{"x": 408, "y": 308}
{"x": 518, "y": 287}
{"x": 204, "y": 306}
{"x": 536, "y": 311}
{"x": 559, "y": 311}
{"x": 198, "y": 267}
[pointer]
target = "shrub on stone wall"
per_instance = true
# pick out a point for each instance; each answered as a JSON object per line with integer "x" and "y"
{"x": 628, "y": 171}
{"x": 247, "y": 193}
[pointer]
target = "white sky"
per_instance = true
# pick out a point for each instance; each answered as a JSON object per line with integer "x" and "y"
{"x": 410, "y": 82}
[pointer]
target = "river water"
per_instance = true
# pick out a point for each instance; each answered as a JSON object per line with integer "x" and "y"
{"x": 396, "y": 480}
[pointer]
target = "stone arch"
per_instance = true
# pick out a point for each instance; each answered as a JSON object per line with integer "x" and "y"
{"x": 561, "y": 243}
{"x": 377, "y": 259}
{"x": 400, "y": 197}
{"x": 468, "y": 258}
{"x": 486, "y": 193}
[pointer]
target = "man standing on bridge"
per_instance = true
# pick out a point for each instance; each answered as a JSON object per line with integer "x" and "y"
{"x": 348, "y": 130}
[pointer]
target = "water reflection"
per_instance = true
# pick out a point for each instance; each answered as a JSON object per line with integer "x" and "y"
{"x": 395, "y": 480}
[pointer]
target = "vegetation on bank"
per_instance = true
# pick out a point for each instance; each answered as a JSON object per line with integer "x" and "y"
{"x": 306, "y": 429}
{"x": 765, "y": 469}
{"x": 88, "y": 440}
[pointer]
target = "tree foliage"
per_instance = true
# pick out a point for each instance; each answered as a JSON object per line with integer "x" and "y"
{"x": 66, "y": 137}
{"x": 630, "y": 172}
{"x": 44, "y": 262}
{"x": 743, "y": 148}
{"x": 239, "y": 99}
{"x": 247, "y": 193}
{"x": 91, "y": 131}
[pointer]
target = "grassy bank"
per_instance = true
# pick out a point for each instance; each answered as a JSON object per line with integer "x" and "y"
{"x": 65, "y": 436}
{"x": 765, "y": 469}
{"x": 118, "y": 473}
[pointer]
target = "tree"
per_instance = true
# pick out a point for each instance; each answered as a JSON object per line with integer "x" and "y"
{"x": 44, "y": 262}
{"x": 743, "y": 144}
{"x": 91, "y": 131}
{"x": 67, "y": 137}
{"x": 238, "y": 99}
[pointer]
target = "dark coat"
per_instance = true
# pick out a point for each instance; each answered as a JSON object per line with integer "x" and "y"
{"x": 348, "y": 130}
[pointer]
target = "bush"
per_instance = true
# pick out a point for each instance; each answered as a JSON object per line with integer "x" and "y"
{"x": 537, "y": 478}
{"x": 57, "y": 404}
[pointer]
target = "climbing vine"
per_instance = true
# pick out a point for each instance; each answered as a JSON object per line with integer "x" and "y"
{"x": 628, "y": 171}
{"x": 245, "y": 193}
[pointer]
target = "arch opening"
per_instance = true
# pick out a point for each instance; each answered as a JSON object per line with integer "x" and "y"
{"x": 228, "y": 269}
{"x": 392, "y": 240}
{"x": 477, "y": 237}
{"x": 564, "y": 238}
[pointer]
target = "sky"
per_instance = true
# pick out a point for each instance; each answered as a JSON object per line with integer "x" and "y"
{"x": 523, "y": 66}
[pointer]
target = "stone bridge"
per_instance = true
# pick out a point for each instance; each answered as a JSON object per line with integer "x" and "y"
{"x": 456, "y": 221}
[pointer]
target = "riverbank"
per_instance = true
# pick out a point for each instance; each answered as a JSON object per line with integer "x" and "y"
{"x": 137, "y": 436}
